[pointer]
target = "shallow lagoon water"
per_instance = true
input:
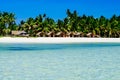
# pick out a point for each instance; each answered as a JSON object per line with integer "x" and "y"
{"x": 91, "y": 61}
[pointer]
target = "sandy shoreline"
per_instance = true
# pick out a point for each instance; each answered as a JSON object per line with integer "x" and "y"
{"x": 57, "y": 40}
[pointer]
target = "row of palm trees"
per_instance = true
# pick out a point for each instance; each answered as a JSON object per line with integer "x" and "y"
{"x": 72, "y": 23}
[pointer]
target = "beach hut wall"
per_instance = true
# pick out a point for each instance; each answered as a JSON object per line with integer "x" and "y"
{"x": 68, "y": 34}
{"x": 81, "y": 34}
{"x": 71, "y": 34}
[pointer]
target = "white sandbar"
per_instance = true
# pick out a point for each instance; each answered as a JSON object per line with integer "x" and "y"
{"x": 57, "y": 40}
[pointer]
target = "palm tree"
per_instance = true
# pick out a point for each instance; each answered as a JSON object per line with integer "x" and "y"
{"x": 72, "y": 23}
{"x": 7, "y": 21}
{"x": 60, "y": 25}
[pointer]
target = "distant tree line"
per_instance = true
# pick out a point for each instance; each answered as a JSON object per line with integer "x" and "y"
{"x": 72, "y": 23}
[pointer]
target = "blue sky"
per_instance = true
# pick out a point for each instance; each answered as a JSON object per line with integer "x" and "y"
{"x": 56, "y": 9}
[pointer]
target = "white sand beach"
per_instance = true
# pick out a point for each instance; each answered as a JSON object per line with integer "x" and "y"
{"x": 57, "y": 40}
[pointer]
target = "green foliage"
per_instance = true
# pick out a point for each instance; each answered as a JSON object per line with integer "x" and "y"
{"x": 71, "y": 23}
{"x": 7, "y": 23}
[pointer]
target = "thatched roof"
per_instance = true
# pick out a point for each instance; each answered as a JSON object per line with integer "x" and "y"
{"x": 49, "y": 33}
{"x": 59, "y": 33}
{"x": 68, "y": 33}
{"x": 78, "y": 33}
{"x": 18, "y": 32}
{"x": 89, "y": 34}
{"x": 39, "y": 33}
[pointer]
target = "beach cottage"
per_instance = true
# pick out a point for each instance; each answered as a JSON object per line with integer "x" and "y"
{"x": 40, "y": 34}
{"x": 60, "y": 34}
{"x": 89, "y": 35}
{"x": 19, "y": 33}
{"x": 50, "y": 34}
{"x": 78, "y": 34}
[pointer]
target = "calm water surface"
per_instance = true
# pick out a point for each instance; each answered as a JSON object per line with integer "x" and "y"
{"x": 60, "y": 61}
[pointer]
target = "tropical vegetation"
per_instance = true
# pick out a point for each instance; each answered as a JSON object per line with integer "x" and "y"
{"x": 101, "y": 26}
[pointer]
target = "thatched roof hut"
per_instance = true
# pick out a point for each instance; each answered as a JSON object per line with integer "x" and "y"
{"x": 71, "y": 34}
{"x": 74, "y": 34}
{"x": 60, "y": 34}
{"x": 78, "y": 34}
{"x": 50, "y": 34}
{"x": 89, "y": 35}
{"x": 40, "y": 34}
{"x": 19, "y": 33}
{"x": 68, "y": 34}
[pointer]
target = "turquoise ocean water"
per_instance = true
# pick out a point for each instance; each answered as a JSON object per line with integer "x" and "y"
{"x": 95, "y": 61}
